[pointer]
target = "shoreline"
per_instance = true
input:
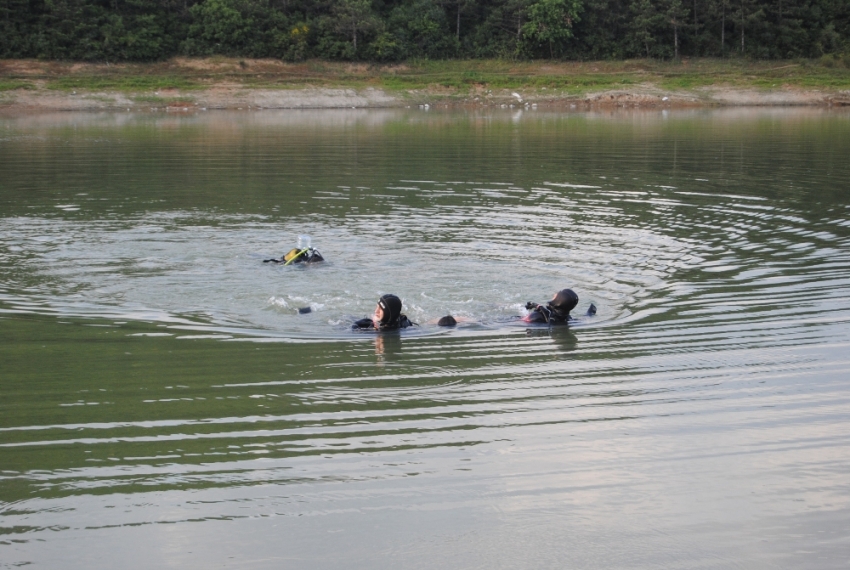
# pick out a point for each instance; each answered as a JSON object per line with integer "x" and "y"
{"x": 185, "y": 85}
{"x": 371, "y": 98}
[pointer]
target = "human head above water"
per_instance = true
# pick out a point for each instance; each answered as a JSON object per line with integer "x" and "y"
{"x": 447, "y": 321}
{"x": 564, "y": 301}
{"x": 389, "y": 309}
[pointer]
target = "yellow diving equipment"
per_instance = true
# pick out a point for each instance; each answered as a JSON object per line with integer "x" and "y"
{"x": 293, "y": 255}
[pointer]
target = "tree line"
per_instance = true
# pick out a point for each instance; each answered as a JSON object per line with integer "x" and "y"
{"x": 396, "y": 30}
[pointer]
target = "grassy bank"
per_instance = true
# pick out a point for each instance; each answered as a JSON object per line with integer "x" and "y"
{"x": 447, "y": 77}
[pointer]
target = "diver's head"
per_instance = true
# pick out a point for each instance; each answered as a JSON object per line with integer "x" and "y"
{"x": 389, "y": 309}
{"x": 564, "y": 301}
{"x": 447, "y": 321}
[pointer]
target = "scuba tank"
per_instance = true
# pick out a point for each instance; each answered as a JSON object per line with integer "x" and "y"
{"x": 303, "y": 252}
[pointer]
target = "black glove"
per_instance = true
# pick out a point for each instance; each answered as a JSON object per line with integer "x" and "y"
{"x": 531, "y": 306}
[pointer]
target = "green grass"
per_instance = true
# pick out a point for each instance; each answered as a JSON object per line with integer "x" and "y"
{"x": 10, "y": 85}
{"x": 467, "y": 80}
{"x": 448, "y": 79}
{"x": 690, "y": 81}
{"x": 583, "y": 77}
{"x": 122, "y": 83}
{"x": 761, "y": 75}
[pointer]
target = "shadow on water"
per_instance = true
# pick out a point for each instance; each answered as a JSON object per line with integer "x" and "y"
{"x": 388, "y": 347}
{"x": 563, "y": 338}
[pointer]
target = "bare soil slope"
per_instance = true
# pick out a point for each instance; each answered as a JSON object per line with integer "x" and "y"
{"x": 184, "y": 84}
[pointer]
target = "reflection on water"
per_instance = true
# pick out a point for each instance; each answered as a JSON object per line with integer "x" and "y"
{"x": 159, "y": 385}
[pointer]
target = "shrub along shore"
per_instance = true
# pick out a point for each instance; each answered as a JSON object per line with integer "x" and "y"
{"x": 187, "y": 84}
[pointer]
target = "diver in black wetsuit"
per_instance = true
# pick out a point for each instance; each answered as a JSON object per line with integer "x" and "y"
{"x": 306, "y": 255}
{"x": 556, "y": 311}
{"x": 387, "y": 317}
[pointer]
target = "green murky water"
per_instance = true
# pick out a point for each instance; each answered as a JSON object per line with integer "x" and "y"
{"x": 164, "y": 404}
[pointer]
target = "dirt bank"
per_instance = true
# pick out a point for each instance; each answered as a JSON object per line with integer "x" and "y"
{"x": 183, "y": 85}
{"x": 216, "y": 97}
{"x": 223, "y": 97}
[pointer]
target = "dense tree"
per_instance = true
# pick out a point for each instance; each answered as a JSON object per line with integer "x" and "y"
{"x": 747, "y": 14}
{"x": 675, "y": 15}
{"x": 15, "y": 25}
{"x": 392, "y": 30}
{"x": 419, "y": 30}
{"x": 353, "y": 16}
{"x": 645, "y": 24}
{"x": 218, "y": 27}
{"x": 603, "y": 31}
{"x": 551, "y": 22}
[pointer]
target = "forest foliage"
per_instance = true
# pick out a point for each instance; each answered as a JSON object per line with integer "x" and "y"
{"x": 396, "y": 30}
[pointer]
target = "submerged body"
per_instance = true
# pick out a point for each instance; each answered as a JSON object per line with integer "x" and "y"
{"x": 556, "y": 311}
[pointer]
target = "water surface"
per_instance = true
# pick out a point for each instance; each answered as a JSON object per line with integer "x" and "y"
{"x": 162, "y": 402}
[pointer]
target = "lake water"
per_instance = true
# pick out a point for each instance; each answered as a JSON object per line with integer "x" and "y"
{"x": 164, "y": 404}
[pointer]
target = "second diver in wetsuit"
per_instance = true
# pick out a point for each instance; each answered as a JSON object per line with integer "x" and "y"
{"x": 556, "y": 311}
{"x": 303, "y": 253}
{"x": 387, "y": 316}
{"x": 306, "y": 255}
